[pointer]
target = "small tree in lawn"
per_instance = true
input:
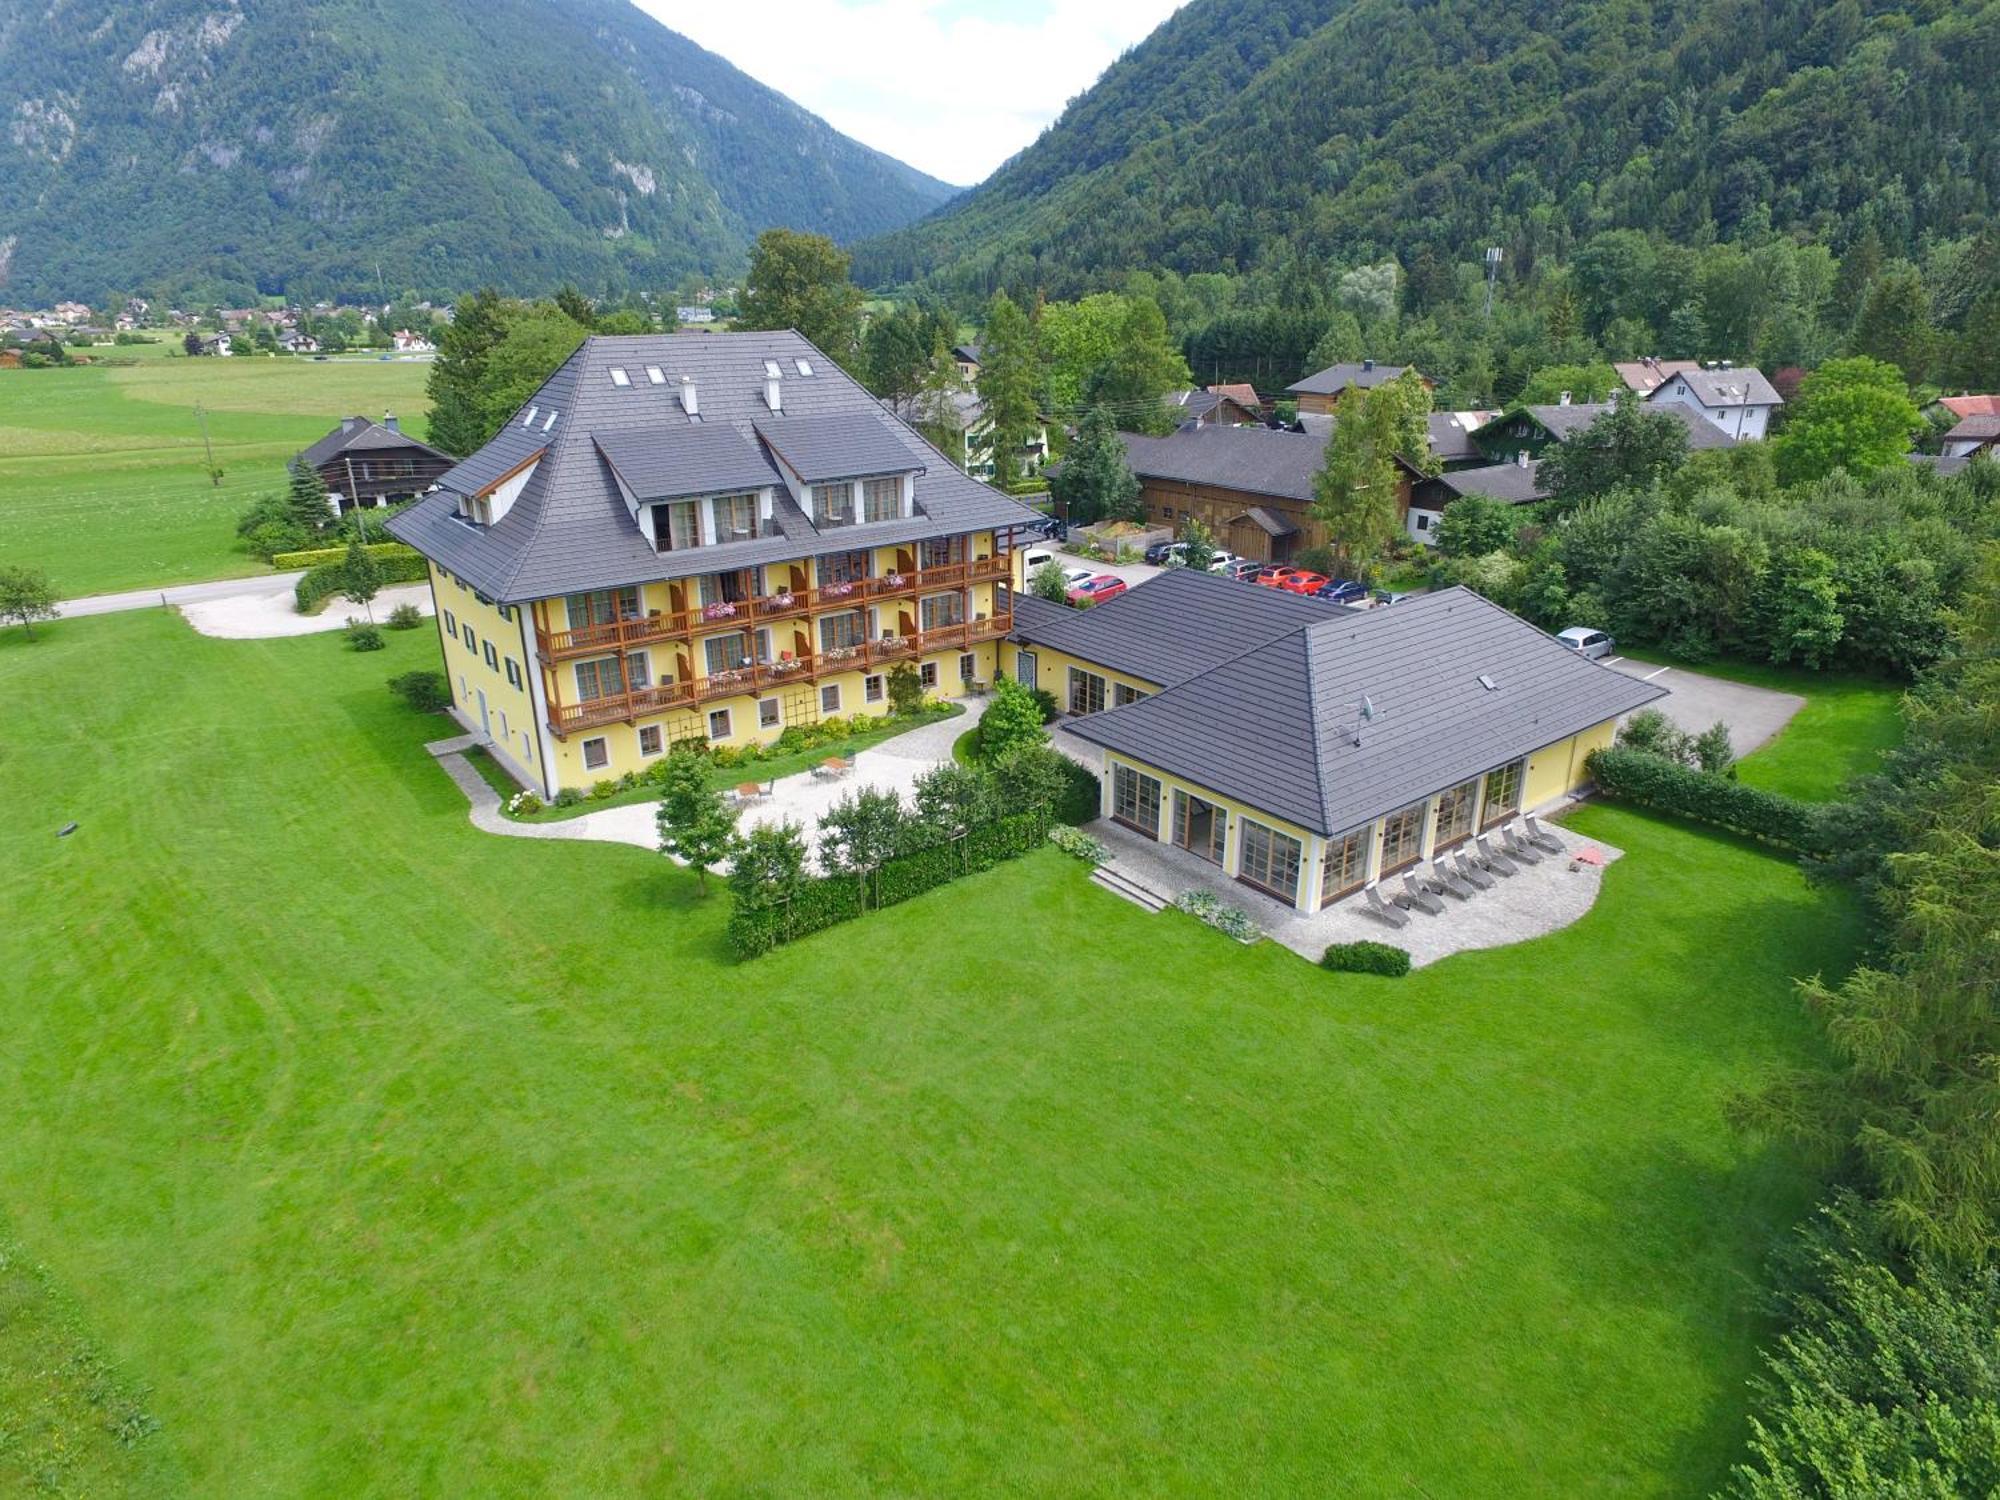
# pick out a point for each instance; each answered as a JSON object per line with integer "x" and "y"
{"x": 906, "y": 690}
{"x": 1013, "y": 717}
{"x": 695, "y": 824}
{"x": 26, "y": 595}
{"x": 361, "y": 576}
{"x": 191, "y": 344}
{"x": 1049, "y": 583}
{"x": 1200, "y": 544}
{"x": 860, "y": 832}
{"x": 768, "y": 865}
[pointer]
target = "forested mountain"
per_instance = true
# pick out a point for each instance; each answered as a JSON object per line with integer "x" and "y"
{"x": 1249, "y": 133}
{"x": 224, "y": 147}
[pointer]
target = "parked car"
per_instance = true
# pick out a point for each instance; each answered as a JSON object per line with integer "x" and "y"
{"x": 1386, "y": 596}
{"x": 1074, "y": 576}
{"x": 1291, "y": 580}
{"x": 1244, "y": 569}
{"x": 1340, "y": 591}
{"x": 1052, "y": 528}
{"x": 1584, "y": 641}
{"x": 1166, "y": 554}
{"x": 1222, "y": 562}
{"x": 1096, "y": 588}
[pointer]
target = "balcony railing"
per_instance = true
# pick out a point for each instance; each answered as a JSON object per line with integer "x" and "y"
{"x": 666, "y": 625}
{"x": 756, "y": 677}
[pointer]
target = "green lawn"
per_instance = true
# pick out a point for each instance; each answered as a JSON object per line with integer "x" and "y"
{"x": 391, "y": 1158}
{"x": 103, "y": 479}
{"x": 1847, "y": 723}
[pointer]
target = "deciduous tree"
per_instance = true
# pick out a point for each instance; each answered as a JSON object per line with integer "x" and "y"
{"x": 1095, "y": 480}
{"x": 800, "y": 281}
{"x": 1377, "y": 434}
{"x": 26, "y": 595}
{"x": 694, "y": 822}
{"x": 1853, "y": 414}
{"x": 1629, "y": 447}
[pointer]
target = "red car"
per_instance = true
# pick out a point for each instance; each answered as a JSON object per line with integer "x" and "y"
{"x": 1096, "y": 590}
{"x": 1292, "y": 580}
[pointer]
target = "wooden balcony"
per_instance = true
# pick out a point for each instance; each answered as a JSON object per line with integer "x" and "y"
{"x": 670, "y": 625}
{"x": 763, "y": 677}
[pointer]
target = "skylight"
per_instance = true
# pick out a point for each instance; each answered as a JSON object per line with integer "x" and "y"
{"x": 1488, "y": 683}
{"x": 619, "y": 377}
{"x": 550, "y": 422}
{"x": 771, "y": 370}
{"x": 805, "y": 366}
{"x": 529, "y": 419}
{"x": 656, "y": 375}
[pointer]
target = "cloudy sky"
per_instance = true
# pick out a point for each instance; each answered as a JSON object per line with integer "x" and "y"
{"x": 954, "y": 87}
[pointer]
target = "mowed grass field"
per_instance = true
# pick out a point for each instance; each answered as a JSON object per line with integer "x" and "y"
{"x": 103, "y": 478}
{"x": 381, "y": 1157}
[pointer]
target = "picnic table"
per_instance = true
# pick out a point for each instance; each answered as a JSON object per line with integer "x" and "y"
{"x": 750, "y": 791}
{"x": 833, "y": 768}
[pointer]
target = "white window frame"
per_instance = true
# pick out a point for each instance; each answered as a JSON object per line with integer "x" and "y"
{"x": 603, "y": 762}
{"x": 826, "y": 689}
{"x": 770, "y": 713}
{"x": 659, "y": 741}
{"x": 927, "y": 675}
{"x": 728, "y": 724}
{"x": 873, "y": 689}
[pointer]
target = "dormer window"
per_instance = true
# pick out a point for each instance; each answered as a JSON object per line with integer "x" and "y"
{"x": 619, "y": 377}
{"x": 656, "y": 375}
{"x": 833, "y": 504}
{"x": 735, "y": 518}
{"x": 882, "y": 499}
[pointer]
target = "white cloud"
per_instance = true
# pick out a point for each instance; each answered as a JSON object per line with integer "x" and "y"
{"x": 953, "y": 87}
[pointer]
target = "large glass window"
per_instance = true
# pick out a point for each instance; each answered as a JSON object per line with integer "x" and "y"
{"x": 1346, "y": 866}
{"x": 843, "y": 567}
{"x": 726, "y": 653}
{"x": 735, "y": 518}
{"x": 842, "y": 631}
{"x": 833, "y": 504}
{"x": 598, "y": 678}
{"x": 940, "y": 551}
{"x": 1086, "y": 691}
{"x": 1135, "y": 799}
{"x": 1200, "y": 827}
{"x": 939, "y": 611}
{"x": 1270, "y": 861}
{"x": 1122, "y": 695}
{"x": 603, "y": 607}
{"x": 1454, "y": 818}
{"x": 1503, "y": 793}
{"x": 675, "y": 526}
{"x": 882, "y": 499}
{"x": 1402, "y": 837}
{"x": 726, "y": 588}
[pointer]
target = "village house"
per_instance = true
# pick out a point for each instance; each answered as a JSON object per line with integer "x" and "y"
{"x": 1224, "y": 405}
{"x": 1738, "y": 403}
{"x": 1513, "y": 483}
{"x": 1531, "y": 430}
{"x": 971, "y": 444}
{"x": 370, "y": 465}
{"x": 1323, "y": 390}
{"x": 703, "y": 537}
{"x": 1309, "y": 751}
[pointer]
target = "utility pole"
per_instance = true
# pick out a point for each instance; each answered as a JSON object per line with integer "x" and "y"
{"x": 214, "y": 474}
{"x": 1493, "y": 254}
{"x": 354, "y": 494}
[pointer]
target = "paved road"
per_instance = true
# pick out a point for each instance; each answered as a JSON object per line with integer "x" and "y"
{"x": 1754, "y": 715}
{"x": 181, "y": 593}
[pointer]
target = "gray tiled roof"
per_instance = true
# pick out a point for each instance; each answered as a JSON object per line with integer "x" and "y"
{"x": 1259, "y": 460}
{"x": 1170, "y": 628}
{"x": 1938, "y": 464}
{"x": 569, "y": 529}
{"x": 1514, "y": 483}
{"x": 1737, "y": 386}
{"x": 843, "y": 445}
{"x": 1974, "y": 428}
{"x": 365, "y": 435}
{"x": 665, "y": 463}
{"x": 1336, "y": 378}
{"x": 1275, "y": 727}
{"x": 1565, "y": 422}
{"x": 1451, "y": 434}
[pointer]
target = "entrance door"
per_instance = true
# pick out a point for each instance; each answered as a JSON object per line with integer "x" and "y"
{"x": 1024, "y": 668}
{"x": 1200, "y": 827}
{"x": 485, "y": 722}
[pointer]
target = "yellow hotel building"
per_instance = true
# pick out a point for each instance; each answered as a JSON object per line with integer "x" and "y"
{"x": 709, "y": 536}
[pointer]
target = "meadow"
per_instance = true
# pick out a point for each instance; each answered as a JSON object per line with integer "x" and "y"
{"x": 103, "y": 471}
{"x": 348, "y": 1170}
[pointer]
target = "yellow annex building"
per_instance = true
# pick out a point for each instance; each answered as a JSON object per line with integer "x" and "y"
{"x": 708, "y": 536}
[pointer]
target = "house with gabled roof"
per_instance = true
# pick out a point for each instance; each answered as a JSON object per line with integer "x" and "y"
{"x": 1532, "y": 430}
{"x": 705, "y": 537}
{"x": 1307, "y": 750}
{"x": 1973, "y": 436}
{"x": 1737, "y": 402}
{"x": 1323, "y": 390}
{"x": 370, "y": 464}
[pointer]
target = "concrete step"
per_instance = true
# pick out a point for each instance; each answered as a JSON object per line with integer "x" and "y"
{"x": 1131, "y": 890}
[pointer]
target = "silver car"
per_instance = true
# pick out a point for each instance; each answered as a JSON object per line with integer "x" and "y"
{"x": 1594, "y": 644}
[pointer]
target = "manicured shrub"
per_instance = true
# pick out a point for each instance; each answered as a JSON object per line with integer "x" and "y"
{"x": 603, "y": 791}
{"x": 361, "y": 636}
{"x": 1653, "y": 781}
{"x": 426, "y": 692}
{"x": 324, "y": 580}
{"x": 313, "y": 557}
{"x": 1366, "y": 958}
{"x": 405, "y": 617}
{"x": 568, "y": 796}
{"x": 1231, "y": 921}
{"x": 1075, "y": 841}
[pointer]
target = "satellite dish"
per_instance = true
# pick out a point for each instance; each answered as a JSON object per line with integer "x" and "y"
{"x": 1367, "y": 708}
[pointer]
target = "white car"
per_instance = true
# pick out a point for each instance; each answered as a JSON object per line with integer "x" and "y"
{"x": 1220, "y": 561}
{"x": 1073, "y": 576}
{"x": 1594, "y": 644}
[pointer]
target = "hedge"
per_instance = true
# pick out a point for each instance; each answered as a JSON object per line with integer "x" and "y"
{"x": 1082, "y": 799}
{"x": 822, "y": 901}
{"x": 323, "y": 582}
{"x": 312, "y": 557}
{"x": 1366, "y": 958}
{"x": 1667, "y": 786}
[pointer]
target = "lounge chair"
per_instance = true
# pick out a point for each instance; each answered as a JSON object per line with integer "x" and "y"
{"x": 1540, "y": 837}
{"x": 1414, "y": 894}
{"x": 1445, "y": 879}
{"x": 1380, "y": 908}
{"x": 1519, "y": 847}
{"x": 1469, "y": 870}
{"x": 1492, "y": 858}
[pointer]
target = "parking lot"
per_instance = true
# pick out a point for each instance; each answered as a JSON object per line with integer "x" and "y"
{"x": 1754, "y": 715}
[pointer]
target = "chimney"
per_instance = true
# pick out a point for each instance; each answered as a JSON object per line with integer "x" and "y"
{"x": 1367, "y": 364}
{"x": 389, "y": 421}
{"x": 1563, "y": 400}
{"x": 774, "y": 395}
{"x": 689, "y": 402}
{"x": 348, "y": 424}
{"x": 1521, "y": 458}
